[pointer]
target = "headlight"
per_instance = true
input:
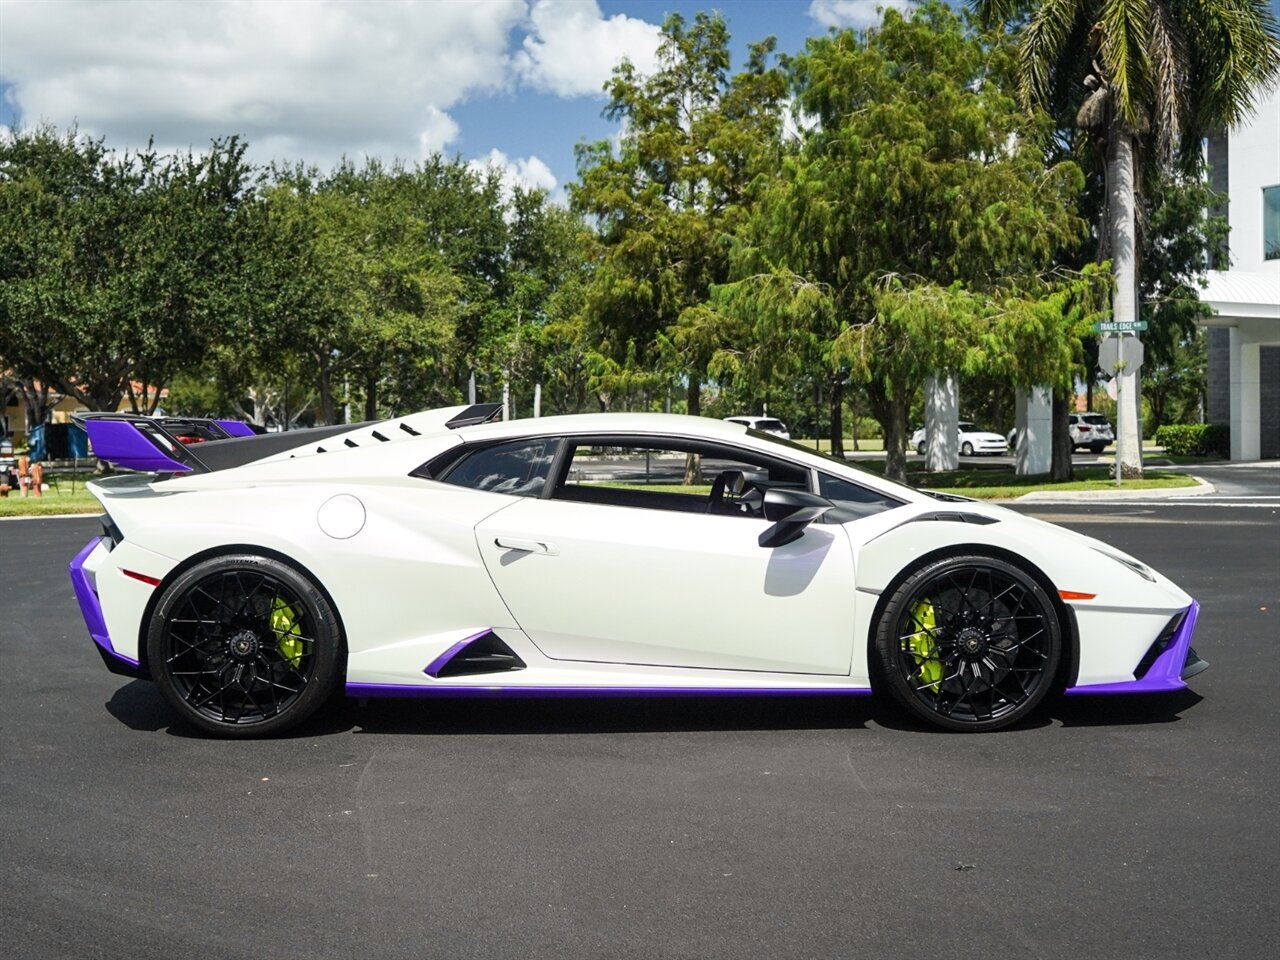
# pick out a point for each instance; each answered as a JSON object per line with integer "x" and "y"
{"x": 1141, "y": 569}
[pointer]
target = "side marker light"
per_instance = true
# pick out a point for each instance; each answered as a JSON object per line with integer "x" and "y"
{"x": 1073, "y": 595}
{"x": 150, "y": 581}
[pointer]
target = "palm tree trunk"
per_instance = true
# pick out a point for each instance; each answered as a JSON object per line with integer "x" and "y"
{"x": 1124, "y": 298}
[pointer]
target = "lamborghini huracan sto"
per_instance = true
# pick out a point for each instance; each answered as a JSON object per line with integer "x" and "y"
{"x": 450, "y": 554}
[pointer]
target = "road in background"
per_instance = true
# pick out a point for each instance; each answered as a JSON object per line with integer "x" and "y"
{"x": 719, "y": 828}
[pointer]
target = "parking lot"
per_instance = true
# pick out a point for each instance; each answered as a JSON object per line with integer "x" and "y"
{"x": 727, "y": 828}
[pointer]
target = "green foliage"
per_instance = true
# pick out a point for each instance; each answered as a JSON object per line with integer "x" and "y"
{"x": 665, "y": 201}
{"x": 114, "y": 267}
{"x": 1195, "y": 439}
{"x": 912, "y": 229}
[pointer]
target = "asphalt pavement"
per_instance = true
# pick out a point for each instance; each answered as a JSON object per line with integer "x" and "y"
{"x": 1122, "y": 827}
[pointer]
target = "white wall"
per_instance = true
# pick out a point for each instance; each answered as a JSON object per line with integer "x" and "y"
{"x": 1253, "y": 163}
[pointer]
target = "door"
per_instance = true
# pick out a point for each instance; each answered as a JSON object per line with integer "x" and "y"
{"x": 666, "y": 587}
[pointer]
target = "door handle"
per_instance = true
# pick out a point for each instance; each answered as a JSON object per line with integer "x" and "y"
{"x": 527, "y": 546}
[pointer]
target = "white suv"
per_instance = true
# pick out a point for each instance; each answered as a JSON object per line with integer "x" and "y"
{"x": 764, "y": 425}
{"x": 1091, "y": 430}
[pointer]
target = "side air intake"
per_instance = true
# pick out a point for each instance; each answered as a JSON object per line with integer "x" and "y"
{"x": 483, "y": 653}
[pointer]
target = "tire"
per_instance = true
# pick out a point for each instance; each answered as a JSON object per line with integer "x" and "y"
{"x": 968, "y": 643}
{"x": 920, "y": 448}
{"x": 966, "y": 449}
{"x": 244, "y": 646}
{"x": 1097, "y": 447}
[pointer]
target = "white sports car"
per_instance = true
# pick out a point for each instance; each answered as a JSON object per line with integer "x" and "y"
{"x": 445, "y": 555}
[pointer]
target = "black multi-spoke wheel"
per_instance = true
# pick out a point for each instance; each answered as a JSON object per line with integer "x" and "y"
{"x": 969, "y": 643}
{"x": 244, "y": 646}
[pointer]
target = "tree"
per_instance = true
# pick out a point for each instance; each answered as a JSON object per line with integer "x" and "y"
{"x": 666, "y": 200}
{"x": 115, "y": 267}
{"x": 911, "y": 209}
{"x": 1140, "y": 76}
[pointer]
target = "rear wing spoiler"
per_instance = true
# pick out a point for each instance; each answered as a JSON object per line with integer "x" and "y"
{"x": 204, "y": 445}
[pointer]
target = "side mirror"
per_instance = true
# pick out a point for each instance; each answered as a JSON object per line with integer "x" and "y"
{"x": 791, "y": 511}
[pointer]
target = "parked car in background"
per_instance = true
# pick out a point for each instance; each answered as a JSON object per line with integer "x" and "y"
{"x": 764, "y": 424}
{"x": 1091, "y": 430}
{"x": 973, "y": 440}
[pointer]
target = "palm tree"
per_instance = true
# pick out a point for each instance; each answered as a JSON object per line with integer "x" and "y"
{"x": 1153, "y": 76}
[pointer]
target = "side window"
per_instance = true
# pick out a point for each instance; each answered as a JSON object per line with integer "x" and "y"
{"x": 634, "y": 474}
{"x": 519, "y": 468}
{"x": 862, "y": 500}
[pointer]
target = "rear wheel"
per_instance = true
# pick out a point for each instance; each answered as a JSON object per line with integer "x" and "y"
{"x": 968, "y": 643}
{"x": 244, "y": 646}
{"x": 1097, "y": 447}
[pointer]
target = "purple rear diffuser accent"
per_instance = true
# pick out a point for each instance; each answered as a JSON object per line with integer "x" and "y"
{"x": 90, "y": 606}
{"x": 435, "y": 666}
{"x": 1165, "y": 673}
{"x": 236, "y": 428}
{"x": 464, "y": 692}
{"x": 121, "y": 443}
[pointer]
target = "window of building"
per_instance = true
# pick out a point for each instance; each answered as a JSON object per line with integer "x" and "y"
{"x": 1271, "y": 223}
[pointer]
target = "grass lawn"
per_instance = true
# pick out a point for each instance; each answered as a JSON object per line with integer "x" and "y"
{"x": 980, "y": 482}
{"x": 1004, "y": 484}
{"x": 54, "y": 502}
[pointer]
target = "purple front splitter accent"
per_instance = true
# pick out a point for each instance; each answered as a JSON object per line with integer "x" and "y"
{"x": 1165, "y": 673}
{"x": 90, "y": 606}
{"x": 435, "y": 666}
{"x": 237, "y": 428}
{"x": 121, "y": 443}
{"x": 465, "y": 692}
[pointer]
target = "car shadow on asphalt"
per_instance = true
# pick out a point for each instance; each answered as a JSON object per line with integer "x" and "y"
{"x": 139, "y": 706}
{"x": 1120, "y": 711}
{"x": 610, "y": 715}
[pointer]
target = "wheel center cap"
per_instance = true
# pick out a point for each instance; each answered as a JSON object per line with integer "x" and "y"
{"x": 243, "y": 645}
{"x": 972, "y": 641}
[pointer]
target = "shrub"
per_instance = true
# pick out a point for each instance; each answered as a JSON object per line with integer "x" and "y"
{"x": 1195, "y": 439}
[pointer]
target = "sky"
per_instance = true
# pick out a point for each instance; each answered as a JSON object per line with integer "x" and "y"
{"x": 513, "y": 83}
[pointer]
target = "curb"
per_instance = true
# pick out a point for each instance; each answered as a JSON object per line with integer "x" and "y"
{"x": 1151, "y": 493}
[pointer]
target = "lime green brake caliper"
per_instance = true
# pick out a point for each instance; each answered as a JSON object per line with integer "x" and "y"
{"x": 921, "y": 645}
{"x": 284, "y": 621}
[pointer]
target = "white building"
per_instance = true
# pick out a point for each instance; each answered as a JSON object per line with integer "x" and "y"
{"x": 1244, "y": 336}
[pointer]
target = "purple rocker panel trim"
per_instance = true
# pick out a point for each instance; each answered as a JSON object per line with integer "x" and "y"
{"x": 90, "y": 607}
{"x": 464, "y": 692}
{"x": 1165, "y": 673}
{"x": 121, "y": 443}
{"x": 236, "y": 428}
{"x": 435, "y": 666}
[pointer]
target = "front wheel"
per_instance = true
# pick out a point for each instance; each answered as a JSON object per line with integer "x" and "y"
{"x": 967, "y": 449}
{"x": 968, "y": 643}
{"x": 244, "y": 646}
{"x": 920, "y": 448}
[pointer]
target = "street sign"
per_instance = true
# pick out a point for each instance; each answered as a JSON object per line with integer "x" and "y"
{"x": 1108, "y": 354}
{"x": 1117, "y": 326}
{"x": 1131, "y": 352}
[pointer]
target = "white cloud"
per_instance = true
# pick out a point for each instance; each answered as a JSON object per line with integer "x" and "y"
{"x": 526, "y": 172}
{"x": 300, "y": 79}
{"x": 858, "y": 14}
{"x": 571, "y": 49}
